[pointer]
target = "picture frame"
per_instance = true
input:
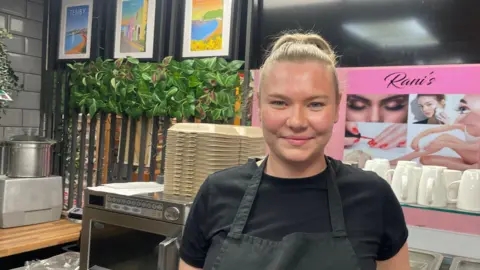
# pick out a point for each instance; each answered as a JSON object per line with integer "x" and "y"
{"x": 75, "y": 38}
{"x": 209, "y": 32}
{"x": 139, "y": 32}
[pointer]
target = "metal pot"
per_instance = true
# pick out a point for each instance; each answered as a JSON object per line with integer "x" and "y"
{"x": 29, "y": 156}
{"x": 3, "y": 158}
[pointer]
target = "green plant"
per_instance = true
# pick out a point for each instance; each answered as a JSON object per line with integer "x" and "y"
{"x": 204, "y": 88}
{"x": 201, "y": 88}
{"x": 8, "y": 79}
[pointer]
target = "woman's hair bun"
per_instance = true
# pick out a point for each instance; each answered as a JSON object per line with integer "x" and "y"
{"x": 307, "y": 39}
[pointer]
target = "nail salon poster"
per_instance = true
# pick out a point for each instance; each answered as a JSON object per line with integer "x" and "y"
{"x": 428, "y": 114}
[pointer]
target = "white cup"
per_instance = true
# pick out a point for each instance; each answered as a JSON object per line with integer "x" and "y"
{"x": 468, "y": 191}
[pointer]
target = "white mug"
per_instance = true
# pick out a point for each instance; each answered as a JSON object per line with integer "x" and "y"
{"x": 468, "y": 191}
{"x": 405, "y": 183}
{"x": 431, "y": 189}
{"x": 449, "y": 177}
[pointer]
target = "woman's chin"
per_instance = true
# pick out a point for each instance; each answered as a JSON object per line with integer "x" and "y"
{"x": 297, "y": 155}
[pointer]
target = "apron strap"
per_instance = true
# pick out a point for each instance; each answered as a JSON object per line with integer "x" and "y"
{"x": 337, "y": 220}
{"x": 243, "y": 212}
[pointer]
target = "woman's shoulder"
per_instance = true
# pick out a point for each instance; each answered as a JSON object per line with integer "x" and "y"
{"x": 233, "y": 178}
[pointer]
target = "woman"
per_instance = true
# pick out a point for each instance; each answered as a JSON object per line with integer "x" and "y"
{"x": 379, "y": 108}
{"x": 297, "y": 209}
{"x": 468, "y": 149}
{"x": 432, "y": 107}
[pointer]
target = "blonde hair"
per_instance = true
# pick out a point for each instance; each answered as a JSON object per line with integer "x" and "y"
{"x": 298, "y": 47}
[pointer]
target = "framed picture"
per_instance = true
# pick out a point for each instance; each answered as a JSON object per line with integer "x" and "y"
{"x": 135, "y": 31}
{"x": 207, "y": 28}
{"x": 75, "y": 29}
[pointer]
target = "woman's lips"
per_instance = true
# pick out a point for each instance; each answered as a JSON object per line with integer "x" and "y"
{"x": 297, "y": 141}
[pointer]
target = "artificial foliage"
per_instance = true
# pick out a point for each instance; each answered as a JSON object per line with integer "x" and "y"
{"x": 8, "y": 79}
{"x": 196, "y": 88}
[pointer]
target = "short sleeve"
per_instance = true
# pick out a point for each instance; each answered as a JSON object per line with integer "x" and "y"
{"x": 395, "y": 231}
{"x": 194, "y": 245}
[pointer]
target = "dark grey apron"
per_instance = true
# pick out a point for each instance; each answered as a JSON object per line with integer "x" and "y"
{"x": 296, "y": 251}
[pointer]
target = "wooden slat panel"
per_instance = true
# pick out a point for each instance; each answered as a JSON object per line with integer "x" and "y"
{"x": 27, "y": 238}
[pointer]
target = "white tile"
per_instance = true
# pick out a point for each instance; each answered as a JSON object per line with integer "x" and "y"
{"x": 12, "y": 117}
{"x": 31, "y": 118}
{"x": 35, "y": 11}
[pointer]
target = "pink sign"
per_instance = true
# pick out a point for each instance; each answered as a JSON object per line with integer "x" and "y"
{"x": 427, "y": 114}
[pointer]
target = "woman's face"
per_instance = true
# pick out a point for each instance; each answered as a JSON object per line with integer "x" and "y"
{"x": 469, "y": 114}
{"x": 428, "y": 104}
{"x": 377, "y": 108}
{"x": 298, "y": 109}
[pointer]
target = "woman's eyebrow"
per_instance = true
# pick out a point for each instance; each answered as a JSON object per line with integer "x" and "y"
{"x": 357, "y": 97}
{"x": 463, "y": 101}
{"x": 388, "y": 99}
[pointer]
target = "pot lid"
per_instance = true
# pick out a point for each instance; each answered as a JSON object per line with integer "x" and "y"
{"x": 30, "y": 139}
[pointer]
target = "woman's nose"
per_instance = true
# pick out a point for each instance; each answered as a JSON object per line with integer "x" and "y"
{"x": 298, "y": 118}
{"x": 375, "y": 114}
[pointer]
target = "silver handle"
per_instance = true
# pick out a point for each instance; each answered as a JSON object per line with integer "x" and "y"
{"x": 168, "y": 254}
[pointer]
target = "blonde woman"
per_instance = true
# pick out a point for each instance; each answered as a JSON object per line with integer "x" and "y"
{"x": 297, "y": 209}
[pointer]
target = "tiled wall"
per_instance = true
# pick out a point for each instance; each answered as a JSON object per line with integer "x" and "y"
{"x": 23, "y": 18}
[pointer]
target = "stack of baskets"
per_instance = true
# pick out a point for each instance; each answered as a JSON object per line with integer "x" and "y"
{"x": 195, "y": 151}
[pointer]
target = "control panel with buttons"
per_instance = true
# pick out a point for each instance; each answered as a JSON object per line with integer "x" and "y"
{"x": 149, "y": 209}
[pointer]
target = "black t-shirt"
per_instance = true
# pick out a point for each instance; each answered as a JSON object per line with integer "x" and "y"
{"x": 374, "y": 219}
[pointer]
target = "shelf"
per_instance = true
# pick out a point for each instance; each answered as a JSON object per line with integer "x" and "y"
{"x": 448, "y": 209}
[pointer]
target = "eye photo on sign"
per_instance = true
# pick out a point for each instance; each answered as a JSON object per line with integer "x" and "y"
{"x": 380, "y": 108}
{"x": 375, "y": 140}
{"x": 433, "y": 109}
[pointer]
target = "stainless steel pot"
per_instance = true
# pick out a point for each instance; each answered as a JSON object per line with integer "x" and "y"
{"x": 3, "y": 158}
{"x": 29, "y": 156}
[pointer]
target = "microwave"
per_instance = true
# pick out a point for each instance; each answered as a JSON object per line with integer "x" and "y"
{"x": 140, "y": 232}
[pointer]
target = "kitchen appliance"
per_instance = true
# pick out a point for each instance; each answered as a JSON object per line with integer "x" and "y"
{"x": 29, "y": 156}
{"x": 26, "y": 201}
{"x": 141, "y": 232}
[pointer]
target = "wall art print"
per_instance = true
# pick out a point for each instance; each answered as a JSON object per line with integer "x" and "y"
{"x": 75, "y": 29}
{"x": 207, "y": 28}
{"x": 134, "y": 28}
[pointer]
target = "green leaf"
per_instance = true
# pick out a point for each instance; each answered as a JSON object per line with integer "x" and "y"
{"x": 122, "y": 91}
{"x": 229, "y": 113}
{"x": 157, "y": 98}
{"x": 210, "y": 62}
{"x": 177, "y": 115}
{"x": 231, "y": 81}
{"x": 190, "y": 99}
{"x": 216, "y": 114}
{"x": 172, "y": 91}
{"x": 113, "y": 83}
{"x": 235, "y": 65}
{"x": 84, "y": 81}
{"x": 133, "y": 60}
{"x": 146, "y": 77}
{"x": 93, "y": 108}
{"x": 222, "y": 64}
{"x": 71, "y": 66}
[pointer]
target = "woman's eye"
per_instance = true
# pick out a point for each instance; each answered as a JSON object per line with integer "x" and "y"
{"x": 463, "y": 109}
{"x": 317, "y": 105}
{"x": 278, "y": 103}
{"x": 394, "y": 106}
{"x": 357, "y": 105}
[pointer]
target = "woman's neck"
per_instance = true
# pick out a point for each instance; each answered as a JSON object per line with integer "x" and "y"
{"x": 433, "y": 120}
{"x": 282, "y": 168}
